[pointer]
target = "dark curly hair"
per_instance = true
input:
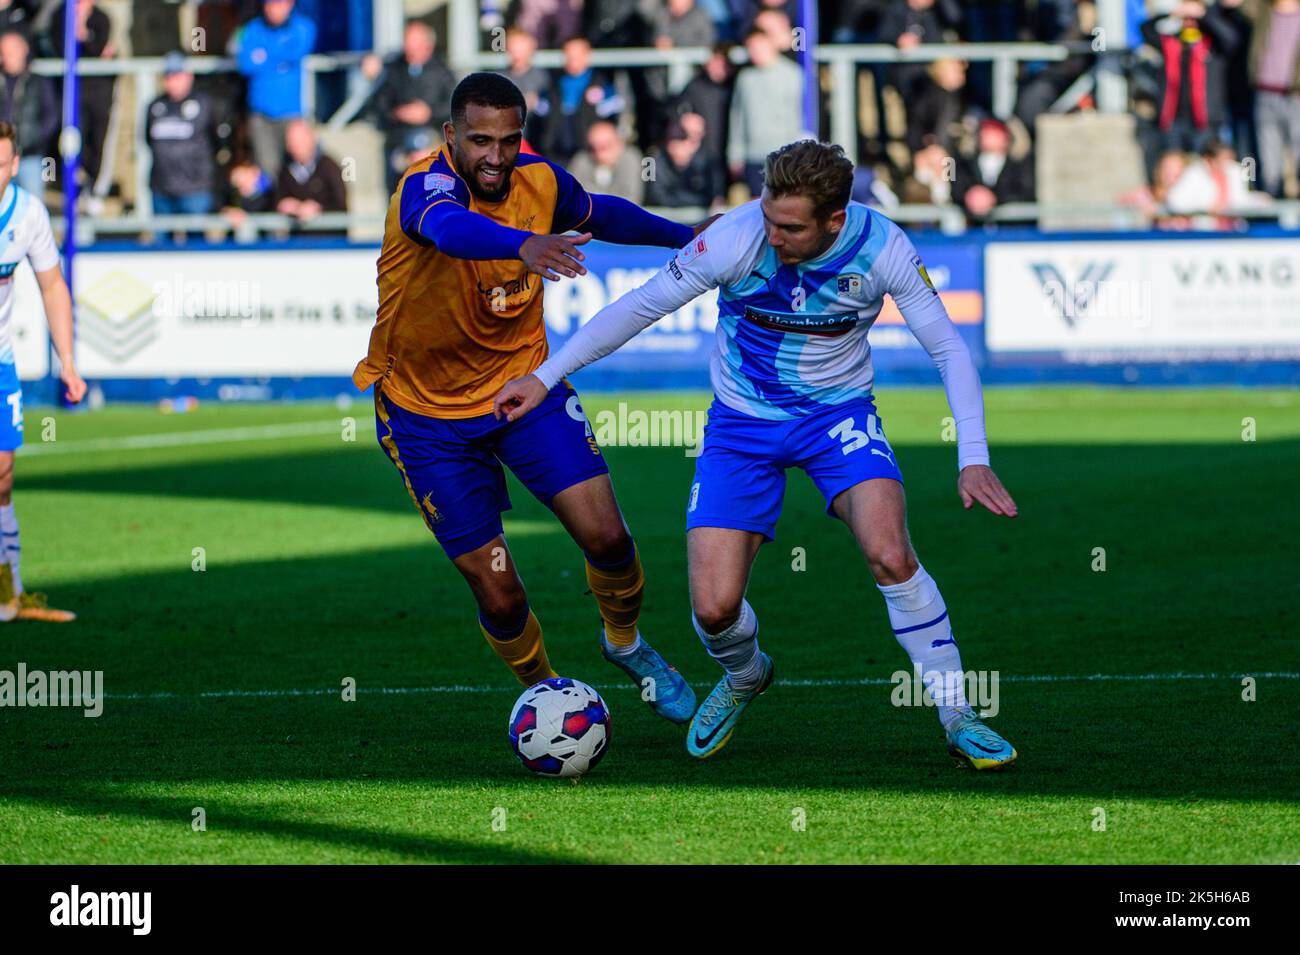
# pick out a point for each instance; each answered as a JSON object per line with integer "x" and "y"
{"x": 486, "y": 89}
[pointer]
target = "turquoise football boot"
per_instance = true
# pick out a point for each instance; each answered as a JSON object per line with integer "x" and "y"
{"x": 717, "y": 716}
{"x": 668, "y": 693}
{"x": 972, "y": 742}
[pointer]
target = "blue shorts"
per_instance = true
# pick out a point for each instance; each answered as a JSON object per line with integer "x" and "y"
{"x": 11, "y": 408}
{"x": 740, "y": 474}
{"x": 452, "y": 467}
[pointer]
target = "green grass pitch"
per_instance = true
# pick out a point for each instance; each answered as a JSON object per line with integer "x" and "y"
{"x": 224, "y": 686}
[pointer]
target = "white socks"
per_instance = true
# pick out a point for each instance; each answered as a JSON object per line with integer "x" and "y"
{"x": 9, "y": 542}
{"x": 920, "y": 621}
{"x": 736, "y": 648}
{"x": 620, "y": 651}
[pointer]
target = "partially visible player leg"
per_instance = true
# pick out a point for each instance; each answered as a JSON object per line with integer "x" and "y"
{"x": 876, "y": 512}
{"x": 9, "y": 578}
{"x": 554, "y": 454}
{"x": 458, "y": 488}
{"x": 719, "y": 561}
{"x": 733, "y": 507}
{"x": 15, "y": 602}
{"x": 507, "y": 622}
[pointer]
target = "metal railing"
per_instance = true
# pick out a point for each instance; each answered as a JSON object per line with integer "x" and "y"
{"x": 147, "y": 70}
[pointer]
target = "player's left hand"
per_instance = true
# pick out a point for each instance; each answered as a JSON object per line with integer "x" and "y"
{"x": 707, "y": 222}
{"x": 74, "y": 385}
{"x": 977, "y": 482}
{"x": 519, "y": 397}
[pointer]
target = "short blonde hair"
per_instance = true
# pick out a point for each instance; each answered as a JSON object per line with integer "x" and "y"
{"x": 818, "y": 171}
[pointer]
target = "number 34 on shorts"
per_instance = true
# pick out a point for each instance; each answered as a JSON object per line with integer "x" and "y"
{"x": 870, "y": 436}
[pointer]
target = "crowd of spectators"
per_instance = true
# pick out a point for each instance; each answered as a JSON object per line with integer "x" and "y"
{"x": 1211, "y": 82}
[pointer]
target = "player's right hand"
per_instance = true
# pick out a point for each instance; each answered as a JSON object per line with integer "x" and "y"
{"x": 73, "y": 383}
{"x": 519, "y": 397}
{"x": 548, "y": 254}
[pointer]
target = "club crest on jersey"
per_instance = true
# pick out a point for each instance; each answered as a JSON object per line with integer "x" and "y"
{"x": 850, "y": 284}
{"x": 439, "y": 182}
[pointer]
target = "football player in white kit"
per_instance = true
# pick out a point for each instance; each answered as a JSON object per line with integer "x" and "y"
{"x": 25, "y": 231}
{"x": 802, "y": 273}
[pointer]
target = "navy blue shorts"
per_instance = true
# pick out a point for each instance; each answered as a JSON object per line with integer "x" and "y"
{"x": 453, "y": 467}
{"x": 740, "y": 474}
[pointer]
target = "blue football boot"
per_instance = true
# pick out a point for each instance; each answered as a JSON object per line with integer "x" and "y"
{"x": 972, "y": 742}
{"x": 667, "y": 691}
{"x": 716, "y": 718}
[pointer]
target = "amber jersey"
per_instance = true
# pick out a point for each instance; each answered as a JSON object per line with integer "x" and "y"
{"x": 451, "y": 331}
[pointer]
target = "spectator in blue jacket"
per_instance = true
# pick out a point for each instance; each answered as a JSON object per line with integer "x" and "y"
{"x": 271, "y": 50}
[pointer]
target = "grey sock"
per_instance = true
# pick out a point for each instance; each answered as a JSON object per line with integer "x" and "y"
{"x": 736, "y": 649}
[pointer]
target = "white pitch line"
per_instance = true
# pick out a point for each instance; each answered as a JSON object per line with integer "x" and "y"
{"x": 174, "y": 439}
{"x": 465, "y": 688}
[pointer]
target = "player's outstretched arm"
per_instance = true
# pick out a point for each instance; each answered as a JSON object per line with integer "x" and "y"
{"x": 615, "y": 219}
{"x": 58, "y": 313}
{"x": 925, "y": 315}
{"x": 609, "y": 330}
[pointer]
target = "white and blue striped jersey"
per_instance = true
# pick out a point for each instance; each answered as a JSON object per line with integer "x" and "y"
{"x": 792, "y": 339}
{"x": 24, "y": 232}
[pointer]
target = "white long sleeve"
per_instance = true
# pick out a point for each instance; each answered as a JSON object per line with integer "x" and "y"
{"x": 682, "y": 280}
{"x": 925, "y": 315}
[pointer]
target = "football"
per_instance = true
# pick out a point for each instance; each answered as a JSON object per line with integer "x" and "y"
{"x": 559, "y": 727}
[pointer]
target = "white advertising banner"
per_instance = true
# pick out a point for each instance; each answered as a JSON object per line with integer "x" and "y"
{"x": 1162, "y": 300}
{"x": 295, "y": 313}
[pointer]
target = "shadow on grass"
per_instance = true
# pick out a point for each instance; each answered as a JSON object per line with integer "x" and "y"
{"x": 85, "y": 801}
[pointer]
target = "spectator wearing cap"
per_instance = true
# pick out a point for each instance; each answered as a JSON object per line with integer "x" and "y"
{"x": 992, "y": 177}
{"x": 413, "y": 96}
{"x": 272, "y": 48}
{"x": 583, "y": 97}
{"x": 766, "y": 109}
{"x": 180, "y": 130}
{"x": 29, "y": 103}
{"x": 95, "y": 93}
{"x": 609, "y": 165}
{"x": 309, "y": 182}
{"x": 684, "y": 175}
{"x": 13, "y": 16}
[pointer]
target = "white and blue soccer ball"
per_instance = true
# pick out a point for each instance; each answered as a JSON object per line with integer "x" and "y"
{"x": 559, "y": 727}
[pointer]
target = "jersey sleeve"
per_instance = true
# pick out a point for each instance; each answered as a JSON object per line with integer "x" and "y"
{"x": 434, "y": 210}
{"x": 909, "y": 285}
{"x": 690, "y": 273}
{"x": 42, "y": 253}
{"x": 573, "y": 206}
